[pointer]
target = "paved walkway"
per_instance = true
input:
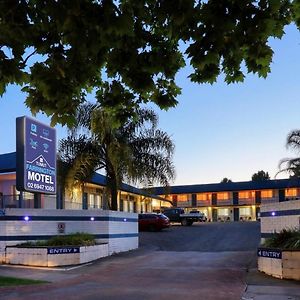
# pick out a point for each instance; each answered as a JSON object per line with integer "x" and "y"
{"x": 140, "y": 275}
{"x": 154, "y": 274}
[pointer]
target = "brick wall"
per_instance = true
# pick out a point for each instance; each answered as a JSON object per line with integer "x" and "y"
{"x": 277, "y": 216}
{"x": 118, "y": 229}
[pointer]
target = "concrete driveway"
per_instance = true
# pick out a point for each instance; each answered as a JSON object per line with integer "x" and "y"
{"x": 206, "y": 261}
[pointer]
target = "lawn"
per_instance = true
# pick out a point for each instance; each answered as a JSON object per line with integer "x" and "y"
{"x": 12, "y": 281}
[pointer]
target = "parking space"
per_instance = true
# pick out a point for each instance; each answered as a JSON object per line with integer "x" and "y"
{"x": 205, "y": 237}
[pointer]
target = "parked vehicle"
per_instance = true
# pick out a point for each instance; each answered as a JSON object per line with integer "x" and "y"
{"x": 153, "y": 222}
{"x": 178, "y": 215}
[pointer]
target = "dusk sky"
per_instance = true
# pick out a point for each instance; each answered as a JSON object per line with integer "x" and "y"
{"x": 219, "y": 130}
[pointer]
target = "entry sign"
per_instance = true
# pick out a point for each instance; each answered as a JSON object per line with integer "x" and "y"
{"x": 36, "y": 156}
{"x": 271, "y": 253}
{"x": 63, "y": 250}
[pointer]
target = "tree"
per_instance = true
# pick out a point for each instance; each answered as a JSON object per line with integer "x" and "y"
{"x": 260, "y": 176}
{"x": 226, "y": 180}
{"x": 129, "y": 52}
{"x": 136, "y": 151}
{"x": 291, "y": 165}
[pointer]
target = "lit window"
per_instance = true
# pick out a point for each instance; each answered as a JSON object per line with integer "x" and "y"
{"x": 203, "y": 197}
{"x": 244, "y": 195}
{"x": 247, "y": 195}
{"x": 267, "y": 194}
{"x": 183, "y": 197}
{"x": 222, "y": 196}
{"x": 291, "y": 192}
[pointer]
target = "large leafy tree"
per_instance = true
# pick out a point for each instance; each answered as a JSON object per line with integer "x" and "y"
{"x": 130, "y": 51}
{"x": 291, "y": 165}
{"x": 137, "y": 151}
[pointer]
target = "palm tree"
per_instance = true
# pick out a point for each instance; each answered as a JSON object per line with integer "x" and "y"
{"x": 135, "y": 151}
{"x": 291, "y": 165}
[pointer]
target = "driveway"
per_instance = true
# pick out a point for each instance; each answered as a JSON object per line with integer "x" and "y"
{"x": 205, "y": 261}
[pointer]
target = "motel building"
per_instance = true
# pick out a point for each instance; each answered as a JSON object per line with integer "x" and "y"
{"x": 234, "y": 201}
{"x": 92, "y": 197}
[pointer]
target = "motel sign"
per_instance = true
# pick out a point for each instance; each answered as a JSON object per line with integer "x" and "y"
{"x": 36, "y": 156}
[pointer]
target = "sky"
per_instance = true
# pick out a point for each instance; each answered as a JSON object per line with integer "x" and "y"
{"x": 219, "y": 130}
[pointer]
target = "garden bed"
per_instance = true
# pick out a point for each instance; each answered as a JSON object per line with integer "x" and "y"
{"x": 49, "y": 256}
{"x": 284, "y": 264}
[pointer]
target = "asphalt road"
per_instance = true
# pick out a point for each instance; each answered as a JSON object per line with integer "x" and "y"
{"x": 205, "y": 261}
{"x": 205, "y": 237}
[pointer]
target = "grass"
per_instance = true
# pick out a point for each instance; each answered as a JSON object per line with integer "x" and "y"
{"x": 12, "y": 281}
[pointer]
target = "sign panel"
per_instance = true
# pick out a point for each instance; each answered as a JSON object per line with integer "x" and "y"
{"x": 271, "y": 253}
{"x": 36, "y": 156}
{"x": 63, "y": 250}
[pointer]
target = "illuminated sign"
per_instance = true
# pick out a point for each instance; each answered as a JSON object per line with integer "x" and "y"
{"x": 36, "y": 156}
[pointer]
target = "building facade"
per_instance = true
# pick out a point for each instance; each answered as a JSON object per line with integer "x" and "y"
{"x": 233, "y": 201}
{"x": 92, "y": 195}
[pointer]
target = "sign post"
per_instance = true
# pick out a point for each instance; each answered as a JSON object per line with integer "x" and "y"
{"x": 36, "y": 156}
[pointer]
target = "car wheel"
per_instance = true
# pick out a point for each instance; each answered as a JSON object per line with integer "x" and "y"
{"x": 184, "y": 222}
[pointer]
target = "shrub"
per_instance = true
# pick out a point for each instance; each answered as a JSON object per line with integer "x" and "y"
{"x": 74, "y": 239}
{"x": 285, "y": 239}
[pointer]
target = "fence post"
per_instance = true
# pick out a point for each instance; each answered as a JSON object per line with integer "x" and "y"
{"x": 21, "y": 200}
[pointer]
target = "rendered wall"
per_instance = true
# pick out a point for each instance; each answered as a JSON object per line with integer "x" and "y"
{"x": 118, "y": 229}
{"x": 277, "y": 216}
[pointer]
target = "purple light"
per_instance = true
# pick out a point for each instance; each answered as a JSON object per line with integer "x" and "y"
{"x": 125, "y": 220}
{"x": 92, "y": 219}
{"x": 273, "y": 213}
{"x": 26, "y": 218}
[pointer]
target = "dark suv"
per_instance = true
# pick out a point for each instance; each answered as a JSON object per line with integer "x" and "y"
{"x": 153, "y": 222}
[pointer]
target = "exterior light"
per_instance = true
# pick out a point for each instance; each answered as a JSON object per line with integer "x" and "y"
{"x": 125, "y": 220}
{"x": 26, "y": 218}
{"x": 273, "y": 213}
{"x": 92, "y": 219}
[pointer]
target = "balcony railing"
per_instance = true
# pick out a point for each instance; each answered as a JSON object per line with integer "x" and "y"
{"x": 247, "y": 201}
{"x": 224, "y": 202}
{"x": 203, "y": 203}
{"x": 12, "y": 201}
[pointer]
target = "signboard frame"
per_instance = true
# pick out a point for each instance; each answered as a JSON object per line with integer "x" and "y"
{"x": 36, "y": 156}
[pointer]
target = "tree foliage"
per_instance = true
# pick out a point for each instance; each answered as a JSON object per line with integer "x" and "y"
{"x": 129, "y": 51}
{"x": 291, "y": 165}
{"x": 226, "y": 180}
{"x": 136, "y": 152}
{"x": 260, "y": 176}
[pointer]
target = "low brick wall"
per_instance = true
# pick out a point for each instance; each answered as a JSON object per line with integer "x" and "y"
{"x": 288, "y": 267}
{"x": 42, "y": 257}
{"x": 277, "y": 216}
{"x": 118, "y": 229}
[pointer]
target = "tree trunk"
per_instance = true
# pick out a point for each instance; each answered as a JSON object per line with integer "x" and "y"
{"x": 114, "y": 194}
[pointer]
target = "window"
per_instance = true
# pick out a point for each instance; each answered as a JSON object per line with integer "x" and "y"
{"x": 247, "y": 195}
{"x": 291, "y": 192}
{"x": 223, "y": 212}
{"x": 267, "y": 194}
{"x": 245, "y": 211}
{"x": 223, "y": 196}
{"x": 182, "y": 197}
{"x": 203, "y": 197}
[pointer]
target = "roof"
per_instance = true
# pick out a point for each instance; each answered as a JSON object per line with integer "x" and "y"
{"x": 8, "y": 162}
{"x": 228, "y": 187}
{"x": 101, "y": 180}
